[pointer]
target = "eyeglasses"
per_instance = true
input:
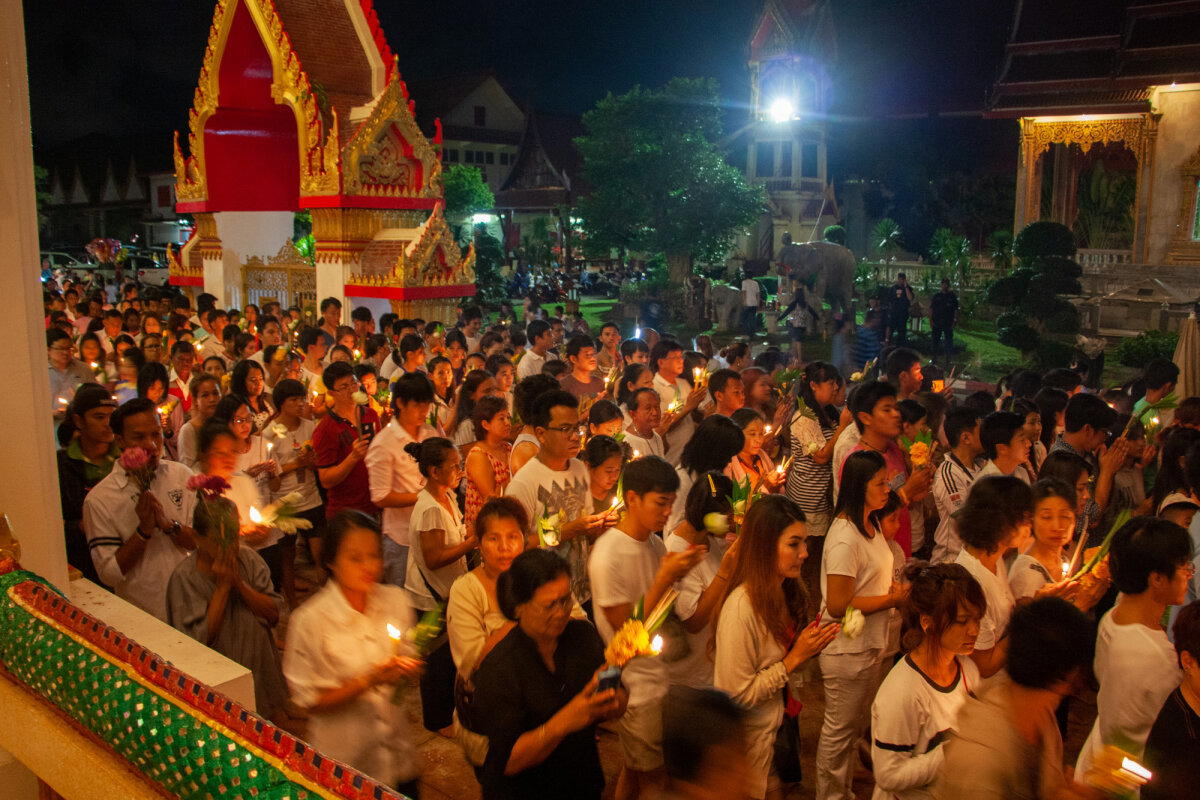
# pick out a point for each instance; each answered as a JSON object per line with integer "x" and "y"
{"x": 567, "y": 430}
{"x": 241, "y": 420}
{"x": 70, "y": 349}
{"x": 564, "y": 603}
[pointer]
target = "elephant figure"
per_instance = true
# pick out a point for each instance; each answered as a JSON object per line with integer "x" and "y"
{"x": 827, "y": 267}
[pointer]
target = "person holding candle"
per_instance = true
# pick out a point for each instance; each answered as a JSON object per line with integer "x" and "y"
{"x": 66, "y": 371}
{"x": 1047, "y": 561}
{"x": 763, "y": 633}
{"x": 1151, "y": 563}
{"x": 752, "y": 463}
{"x": 630, "y": 565}
{"x": 857, "y": 571}
{"x": 536, "y": 695}
{"x": 643, "y": 411}
{"x": 677, "y": 400}
{"x": 250, "y": 382}
{"x": 341, "y": 664}
{"x": 152, "y": 384}
{"x": 205, "y": 392}
{"x": 605, "y": 457}
{"x": 812, "y": 432}
{"x": 254, "y": 452}
{"x": 1173, "y": 746}
{"x": 487, "y": 460}
{"x": 605, "y": 419}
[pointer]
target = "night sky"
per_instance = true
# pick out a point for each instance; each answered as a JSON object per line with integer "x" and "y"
{"x": 128, "y": 69}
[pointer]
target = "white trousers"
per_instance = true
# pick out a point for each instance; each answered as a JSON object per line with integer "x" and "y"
{"x": 850, "y": 683}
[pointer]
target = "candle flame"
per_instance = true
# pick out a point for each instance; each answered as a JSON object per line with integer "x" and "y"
{"x": 196, "y": 345}
{"x": 656, "y": 645}
{"x": 637, "y": 454}
{"x": 95, "y": 365}
{"x": 255, "y": 516}
{"x": 63, "y": 400}
{"x": 1154, "y": 420}
{"x": 767, "y": 429}
{"x": 393, "y": 631}
{"x": 358, "y": 354}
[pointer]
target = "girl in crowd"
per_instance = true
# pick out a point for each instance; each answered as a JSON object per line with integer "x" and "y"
{"x": 1074, "y": 471}
{"x": 526, "y": 445}
{"x": 1046, "y": 560}
{"x": 250, "y": 382}
{"x": 1173, "y": 748}
{"x": 152, "y": 383}
{"x": 92, "y": 354}
{"x": 994, "y": 520}
{"x": 291, "y": 436}
{"x": 736, "y": 357}
{"x": 919, "y": 700}
{"x": 1151, "y": 563}
{"x": 1052, "y": 406}
{"x": 813, "y": 431}
{"x": 716, "y": 441}
{"x": 752, "y": 463}
{"x": 476, "y": 385}
{"x": 129, "y": 364}
{"x": 604, "y": 418}
{"x": 536, "y": 694}
{"x": 1171, "y": 484}
{"x": 856, "y": 571}
{"x": 215, "y": 366}
{"x": 604, "y": 457}
{"x": 205, "y": 391}
{"x": 217, "y": 449}
{"x": 757, "y": 384}
{"x": 474, "y": 622}
{"x": 702, "y": 588}
{"x": 505, "y": 373}
{"x": 487, "y": 464}
{"x": 1033, "y": 430}
{"x": 763, "y": 634}
{"x": 440, "y": 544}
{"x": 442, "y": 375}
{"x": 221, "y": 595}
{"x": 635, "y": 376}
{"x": 368, "y": 381}
{"x": 341, "y": 664}
{"x": 254, "y": 457}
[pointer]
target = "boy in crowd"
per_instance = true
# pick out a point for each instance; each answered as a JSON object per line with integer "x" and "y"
{"x": 953, "y": 478}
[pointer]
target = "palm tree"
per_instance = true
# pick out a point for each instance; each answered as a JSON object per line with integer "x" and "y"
{"x": 886, "y": 236}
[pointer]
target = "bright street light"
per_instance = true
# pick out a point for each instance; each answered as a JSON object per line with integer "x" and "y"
{"x": 483, "y": 219}
{"x": 782, "y": 110}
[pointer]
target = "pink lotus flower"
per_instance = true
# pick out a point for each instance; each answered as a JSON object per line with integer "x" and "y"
{"x": 211, "y": 486}
{"x": 135, "y": 458}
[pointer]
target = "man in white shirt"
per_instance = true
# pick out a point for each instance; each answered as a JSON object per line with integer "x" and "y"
{"x": 394, "y": 478}
{"x": 1005, "y": 445}
{"x": 629, "y": 564}
{"x": 540, "y": 339}
{"x": 676, "y": 399}
{"x": 954, "y": 478}
{"x": 555, "y": 484}
{"x": 472, "y": 317}
{"x": 644, "y": 416}
{"x": 112, "y": 329}
{"x": 138, "y": 538}
{"x": 751, "y": 295}
{"x": 270, "y": 332}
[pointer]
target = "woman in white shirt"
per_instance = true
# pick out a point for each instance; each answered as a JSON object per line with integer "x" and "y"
{"x": 1136, "y": 665}
{"x": 205, "y": 391}
{"x": 918, "y": 702}
{"x": 856, "y": 572}
{"x": 341, "y": 664}
{"x": 763, "y": 634}
{"x": 753, "y": 463}
{"x": 440, "y": 543}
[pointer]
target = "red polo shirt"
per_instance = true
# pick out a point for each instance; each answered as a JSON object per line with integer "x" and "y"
{"x": 332, "y": 441}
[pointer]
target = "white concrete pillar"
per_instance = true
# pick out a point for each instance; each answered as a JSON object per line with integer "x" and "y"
{"x": 29, "y": 490}
{"x": 243, "y": 234}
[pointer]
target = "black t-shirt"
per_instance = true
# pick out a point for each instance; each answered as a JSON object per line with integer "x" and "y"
{"x": 515, "y": 693}
{"x": 898, "y": 301}
{"x": 1173, "y": 750}
{"x": 943, "y": 307}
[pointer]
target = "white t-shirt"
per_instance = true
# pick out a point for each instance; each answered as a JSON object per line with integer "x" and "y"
{"x": 696, "y": 668}
{"x": 545, "y": 492}
{"x": 678, "y": 436}
{"x": 622, "y": 570}
{"x": 652, "y": 446}
{"x": 287, "y": 448}
{"x": 847, "y": 440}
{"x": 1026, "y": 576}
{"x": 870, "y": 563}
{"x": 1137, "y": 668}
{"x": 910, "y": 719}
{"x": 428, "y": 515}
{"x": 1000, "y": 600}
{"x": 686, "y": 480}
{"x": 391, "y": 469}
{"x": 530, "y": 364}
{"x": 751, "y": 292}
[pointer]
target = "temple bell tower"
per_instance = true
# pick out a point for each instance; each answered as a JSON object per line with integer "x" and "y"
{"x": 791, "y": 50}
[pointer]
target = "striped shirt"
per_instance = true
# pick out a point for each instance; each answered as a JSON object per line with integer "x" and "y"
{"x": 950, "y": 486}
{"x": 809, "y": 484}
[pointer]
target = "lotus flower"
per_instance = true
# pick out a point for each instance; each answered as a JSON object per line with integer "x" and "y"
{"x": 135, "y": 458}
{"x": 716, "y": 523}
{"x": 279, "y": 429}
{"x": 812, "y": 449}
{"x": 360, "y": 397}
{"x": 548, "y": 530}
{"x": 853, "y": 623}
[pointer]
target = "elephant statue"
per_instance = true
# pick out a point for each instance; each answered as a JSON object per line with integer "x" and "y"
{"x": 827, "y": 267}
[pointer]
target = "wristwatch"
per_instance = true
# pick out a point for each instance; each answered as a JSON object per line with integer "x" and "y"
{"x": 174, "y": 529}
{"x": 145, "y": 537}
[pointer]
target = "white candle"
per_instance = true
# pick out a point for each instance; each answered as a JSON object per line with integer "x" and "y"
{"x": 395, "y": 635}
{"x": 255, "y": 516}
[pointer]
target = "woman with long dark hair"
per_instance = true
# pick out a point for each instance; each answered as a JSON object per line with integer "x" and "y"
{"x": 152, "y": 382}
{"x": 856, "y": 581}
{"x": 715, "y": 443}
{"x": 763, "y": 633}
{"x": 476, "y": 385}
{"x": 250, "y": 381}
{"x": 1052, "y": 406}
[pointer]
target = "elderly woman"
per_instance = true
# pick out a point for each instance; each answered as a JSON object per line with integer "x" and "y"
{"x": 341, "y": 664}
{"x": 536, "y": 695}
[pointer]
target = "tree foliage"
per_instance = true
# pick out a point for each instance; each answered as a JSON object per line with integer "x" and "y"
{"x": 835, "y": 234}
{"x": 1035, "y": 312}
{"x": 489, "y": 255}
{"x": 465, "y": 192}
{"x": 1000, "y": 249}
{"x": 885, "y": 238}
{"x": 660, "y": 183}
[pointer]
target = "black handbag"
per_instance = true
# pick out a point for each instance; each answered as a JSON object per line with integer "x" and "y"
{"x": 786, "y": 756}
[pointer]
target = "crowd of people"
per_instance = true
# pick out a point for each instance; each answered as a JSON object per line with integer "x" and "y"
{"x": 953, "y": 567}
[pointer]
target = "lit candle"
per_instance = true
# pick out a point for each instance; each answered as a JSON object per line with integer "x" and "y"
{"x": 256, "y": 516}
{"x": 1136, "y": 769}
{"x": 767, "y": 429}
{"x": 269, "y": 446}
{"x": 656, "y": 644}
{"x": 196, "y": 345}
{"x": 698, "y": 373}
{"x": 1066, "y": 569}
{"x": 357, "y": 355}
{"x": 395, "y": 636}
{"x": 63, "y": 400}
{"x": 637, "y": 454}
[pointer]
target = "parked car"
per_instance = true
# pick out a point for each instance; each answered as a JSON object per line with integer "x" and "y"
{"x": 148, "y": 269}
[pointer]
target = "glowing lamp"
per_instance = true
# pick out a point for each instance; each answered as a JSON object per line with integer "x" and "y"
{"x": 781, "y": 110}
{"x": 394, "y": 635}
{"x": 483, "y": 219}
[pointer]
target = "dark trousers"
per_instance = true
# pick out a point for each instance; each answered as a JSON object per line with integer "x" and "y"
{"x": 898, "y": 328}
{"x": 946, "y": 331}
{"x": 750, "y": 320}
{"x": 437, "y": 688}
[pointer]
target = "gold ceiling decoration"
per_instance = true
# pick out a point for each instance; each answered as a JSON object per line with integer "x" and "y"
{"x": 1038, "y": 136}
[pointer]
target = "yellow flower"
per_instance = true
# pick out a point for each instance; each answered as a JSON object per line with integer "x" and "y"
{"x": 918, "y": 454}
{"x": 630, "y": 641}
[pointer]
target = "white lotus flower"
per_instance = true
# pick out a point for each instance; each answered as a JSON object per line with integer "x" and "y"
{"x": 716, "y": 523}
{"x": 812, "y": 448}
{"x": 548, "y": 530}
{"x": 279, "y": 429}
{"x": 360, "y": 397}
{"x": 853, "y": 623}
